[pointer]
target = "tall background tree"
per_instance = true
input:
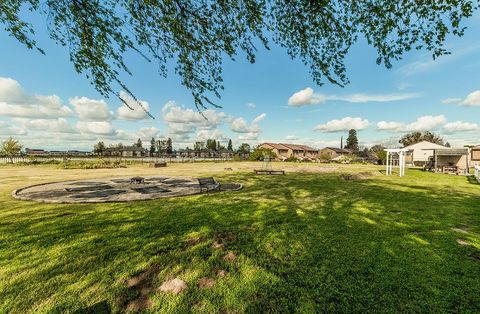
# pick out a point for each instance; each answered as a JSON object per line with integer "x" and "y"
{"x": 416, "y": 137}
{"x": 10, "y": 148}
{"x": 230, "y": 145}
{"x": 352, "y": 140}
{"x": 195, "y": 36}
{"x": 99, "y": 148}
{"x": 152, "y": 146}
{"x": 169, "y": 146}
{"x": 244, "y": 148}
{"x": 139, "y": 143}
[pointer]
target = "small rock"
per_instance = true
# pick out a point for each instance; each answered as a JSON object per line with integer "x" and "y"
{"x": 206, "y": 282}
{"x": 222, "y": 273}
{"x": 230, "y": 257}
{"x": 217, "y": 245}
{"x": 461, "y": 230}
{"x": 174, "y": 285}
{"x": 462, "y": 242}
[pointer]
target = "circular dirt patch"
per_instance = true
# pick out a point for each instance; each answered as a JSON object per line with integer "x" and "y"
{"x": 109, "y": 190}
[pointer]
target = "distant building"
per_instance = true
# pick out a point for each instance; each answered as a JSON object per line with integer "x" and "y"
{"x": 334, "y": 152}
{"x": 126, "y": 151}
{"x": 284, "y": 151}
{"x": 204, "y": 153}
{"x": 421, "y": 152}
{"x": 475, "y": 155}
{"x": 36, "y": 151}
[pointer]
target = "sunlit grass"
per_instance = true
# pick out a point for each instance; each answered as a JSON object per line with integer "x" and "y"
{"x": 304, "y": 242}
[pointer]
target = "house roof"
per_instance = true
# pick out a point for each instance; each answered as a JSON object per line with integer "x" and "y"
{"x": 286, "y": 146}
{"x": 299, "y": 147}
{"x": 276, "y": 146}
{"x": 339, "y": 150}
{"x": 451, "y": 151}
{"x": 425, "y": 145}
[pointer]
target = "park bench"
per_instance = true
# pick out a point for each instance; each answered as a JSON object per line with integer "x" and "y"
{"x": 137, "y": 180}
{"x": 208, "y": 184}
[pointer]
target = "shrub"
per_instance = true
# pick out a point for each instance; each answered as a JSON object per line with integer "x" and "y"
{"x": 261, "y": 153}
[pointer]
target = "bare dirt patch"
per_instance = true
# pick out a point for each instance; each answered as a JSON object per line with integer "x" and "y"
{"x": 217, "y": 245}
{"x": 222, "y": 273}
{"x": 205, "y": 282}
{"x": 462, "y": 242}
{"x": 142, "y": 283}
{"x": 174, "y": 286}
{"x": 230, "y": 257}
{"x": 356, "y": 176}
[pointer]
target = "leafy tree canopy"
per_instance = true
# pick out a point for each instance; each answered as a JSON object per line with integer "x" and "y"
{"x": 11, "y": 147}
{"x": 197, "y": 35}
{"x": 416, "y": 137}
{"x": 352, "y": 140}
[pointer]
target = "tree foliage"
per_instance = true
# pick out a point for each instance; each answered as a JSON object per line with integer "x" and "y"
{"x": 230, "y": 145}
{"x": 261, "y": 153}
{"x": 352, "y": 140}
{"x": 10, "y": 148}
{"x": 416, "y": 137}
{"x": 99, "y": 148}
{"x": 197, "y": 36}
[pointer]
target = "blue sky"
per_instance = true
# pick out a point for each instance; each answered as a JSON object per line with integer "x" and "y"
{"x": 274, "y": 99}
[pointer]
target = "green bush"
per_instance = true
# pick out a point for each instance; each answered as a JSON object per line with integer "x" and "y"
{"x": 261, "y": 153}
{"x": 291, "y": 159}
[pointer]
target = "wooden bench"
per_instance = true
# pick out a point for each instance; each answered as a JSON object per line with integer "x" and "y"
{"x": 208, "y": 184}
{"x": 137, "y": 180}
{"x": 271, "y": 172}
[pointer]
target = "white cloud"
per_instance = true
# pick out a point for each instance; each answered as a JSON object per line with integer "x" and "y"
{"x": 308, "y": 97}
{"x": 305, "y": 97}
{"x": 343, "y": 124}
{"x": 472, "y": 99}
{"x": 91, "y": 109}
{"x": 7, "y": 130}
{"x": 148, "y": 132}
{"x": 137, "y": 113}
{"x": 259, "y": 118}
{"x": 424, "y": 123}
{"x": 96, "y": 127}
{"x": 174, "y": 114}
{"x": 291, "y": 137}
{"x": 364, "y": 98}
{"x": 251, "y": 105}
{"x": 451, "y": 100}
{"x": 460, "y": 126}
{"x": 239, "y": 125}
{"x": 59, "y": 125}
{"x": 390, "y": 126}
{"x": 14, "y": 102}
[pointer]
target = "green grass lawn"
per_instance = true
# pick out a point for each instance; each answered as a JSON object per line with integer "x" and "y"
{"x": 304, "y": 242}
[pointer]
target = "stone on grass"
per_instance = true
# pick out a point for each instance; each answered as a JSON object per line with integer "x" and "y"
{"x": 206, "y": 282}
{"x": 217, "y": 245}
{"x": 462, "y": 242}
{"x": 230, "y": 257}
{"x": 222, "y": 273}
{"x": 174, "y": 285}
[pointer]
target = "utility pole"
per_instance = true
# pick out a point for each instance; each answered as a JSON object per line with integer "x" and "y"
{"x": 341, "y": 142}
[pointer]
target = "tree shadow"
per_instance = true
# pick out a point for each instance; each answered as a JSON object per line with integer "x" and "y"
{"x": 304, "y": 242}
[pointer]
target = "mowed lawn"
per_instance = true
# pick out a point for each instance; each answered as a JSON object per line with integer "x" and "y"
{"x": 304, "y": 242}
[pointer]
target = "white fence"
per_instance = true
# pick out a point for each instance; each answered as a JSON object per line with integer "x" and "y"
{"x": 477, "y": 172}
{"x": 20, "y": 159}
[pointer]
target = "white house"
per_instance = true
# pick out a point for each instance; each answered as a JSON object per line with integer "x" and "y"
{"x": 420, "y": 152}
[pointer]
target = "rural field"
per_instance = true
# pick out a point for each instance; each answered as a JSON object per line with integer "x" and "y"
{"x": 306, "y": 242}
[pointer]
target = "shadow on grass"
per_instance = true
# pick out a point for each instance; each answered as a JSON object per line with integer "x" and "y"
{"x": 305, "y": 242}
